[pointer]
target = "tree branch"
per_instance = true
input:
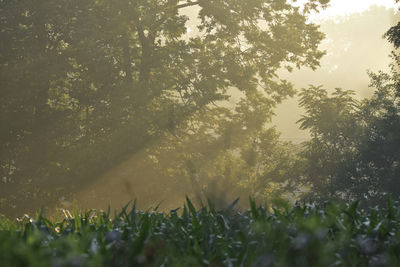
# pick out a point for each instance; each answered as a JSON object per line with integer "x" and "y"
{"x": 187, "y": 4}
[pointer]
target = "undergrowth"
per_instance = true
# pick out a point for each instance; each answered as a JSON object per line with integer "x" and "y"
{"x": 330, "y": 234}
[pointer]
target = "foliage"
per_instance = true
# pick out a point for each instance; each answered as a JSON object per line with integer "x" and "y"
{"x": 335, "y": 130}
{"x": 222, "y": 156}
{"x": 379, "y": 150}
{"x": 86, "y": 84}
{"x": 354, "y": 150}
{"x": 303, "y": 235}
{"x": 393, "y": 34}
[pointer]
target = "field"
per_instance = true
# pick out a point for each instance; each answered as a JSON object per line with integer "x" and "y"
{"x": 331, "y": 234}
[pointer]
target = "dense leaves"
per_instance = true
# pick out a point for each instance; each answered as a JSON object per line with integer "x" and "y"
{"x": 335, "y": 129}
{"x": 303, "y": 235}
{"x": 354, "y": 151}
{"x": 86, "y": 84}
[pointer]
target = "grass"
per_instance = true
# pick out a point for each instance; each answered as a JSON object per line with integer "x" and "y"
{"x": 303, "y": 235}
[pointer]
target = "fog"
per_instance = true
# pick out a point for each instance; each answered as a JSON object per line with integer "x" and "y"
{"x": 105, "y": 105}
{"x": 354, "y": 45}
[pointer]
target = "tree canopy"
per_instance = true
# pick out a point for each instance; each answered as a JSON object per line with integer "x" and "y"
{"x": 87, "y": 83}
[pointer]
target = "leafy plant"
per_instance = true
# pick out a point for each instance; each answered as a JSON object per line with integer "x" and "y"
{"x": 303, "y": 235}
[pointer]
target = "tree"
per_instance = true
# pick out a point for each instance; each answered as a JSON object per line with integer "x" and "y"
{"x": 379, "y": 153}
{"x": 335, "y": 131}
{"x": 379, "y": 150}
{"x": 354, "y": 150}
{"x": 393, "y": 34}
{"x": 87, "y": 83}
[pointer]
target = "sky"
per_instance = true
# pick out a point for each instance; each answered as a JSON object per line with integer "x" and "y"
{"x": 347, "y": 7}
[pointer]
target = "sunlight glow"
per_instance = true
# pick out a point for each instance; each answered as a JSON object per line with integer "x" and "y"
{"x": 338, "y": 8}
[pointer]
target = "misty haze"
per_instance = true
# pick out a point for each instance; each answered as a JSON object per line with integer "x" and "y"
{"x": 268, "y": 118}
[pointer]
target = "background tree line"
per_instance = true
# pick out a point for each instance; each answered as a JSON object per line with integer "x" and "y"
{"x": 354, "y": 151}
{"x": 86, "y": 84}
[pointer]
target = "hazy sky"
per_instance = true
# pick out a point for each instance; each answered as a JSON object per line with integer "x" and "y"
{"x": 349, "y": 42}
{"x": 346, "y": 7}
